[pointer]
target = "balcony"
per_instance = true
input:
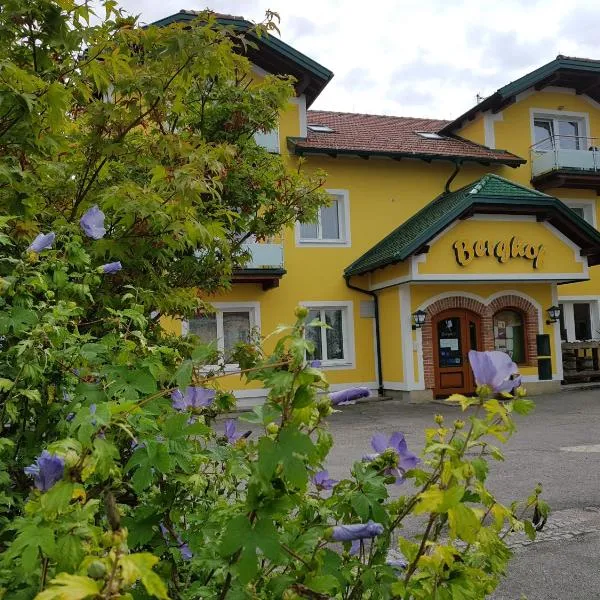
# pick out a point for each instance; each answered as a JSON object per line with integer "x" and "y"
{"x": 566, "y": 161}
{"x": 265, "y": 266}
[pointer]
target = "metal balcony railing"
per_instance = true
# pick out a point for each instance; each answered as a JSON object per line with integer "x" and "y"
{"x": 565, "y": 152}
{"x": 264, "y": 256}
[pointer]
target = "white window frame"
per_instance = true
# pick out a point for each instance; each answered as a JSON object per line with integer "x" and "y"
{"x": 347, "y": 308}
{"x": 589, "y": 209}
{"x": 569, "y": 315}
{"x": 253, "y": 309}
{"x": 343, "y": 224}
{"x": 559, "y": 115}
{"x": 272, "y": 136}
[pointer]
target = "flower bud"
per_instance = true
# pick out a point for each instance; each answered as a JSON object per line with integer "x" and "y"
{"x": 272, "y": 428}
{"x": 96, "y": 570}
{"x": 459, "y": 424}
{"x": 301, "y": 312}
{"x": 439, "y": 419}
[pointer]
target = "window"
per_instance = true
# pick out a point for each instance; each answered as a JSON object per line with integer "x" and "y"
{"x": 509, "y": 334}
{"x": 333, "y": 344}
{"x": 268, "y": 140}
{"x": 585, "y": 210}
{"x": 567, "y": 133}
{"x": 331, "y": 226}
{"x": 563, "y": 329}
{"x": 229, "y": 325}
{"x": 430, "y": 135}
{"x": 320, "y": 128}
{"x": 583, "y": 321}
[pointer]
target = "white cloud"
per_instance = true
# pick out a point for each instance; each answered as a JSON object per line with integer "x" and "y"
{"x": 423, "y": 58}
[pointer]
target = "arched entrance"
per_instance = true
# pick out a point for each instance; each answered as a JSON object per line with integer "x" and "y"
{"x": 455, "y": 332}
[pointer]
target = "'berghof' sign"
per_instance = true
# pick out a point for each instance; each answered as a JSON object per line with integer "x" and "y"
{"x": 504, "y": 250}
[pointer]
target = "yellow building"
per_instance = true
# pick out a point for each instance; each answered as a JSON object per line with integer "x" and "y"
{"x": 441, "y": 236}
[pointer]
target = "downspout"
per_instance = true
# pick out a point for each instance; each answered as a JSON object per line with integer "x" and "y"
{"x": 457, "y": 166}
{"x": 377, "y": 330}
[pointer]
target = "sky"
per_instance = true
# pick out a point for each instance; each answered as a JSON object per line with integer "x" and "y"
{"x": 415, "y": 58}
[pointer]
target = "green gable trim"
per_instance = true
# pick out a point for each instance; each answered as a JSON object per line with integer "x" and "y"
{"x": 302, "y": 62}
{"x": 491, "y": 194}
{"x": 566, "y": 64}
{"x": 298, "y": 150}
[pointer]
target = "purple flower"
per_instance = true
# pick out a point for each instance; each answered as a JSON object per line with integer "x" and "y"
{"x": 348, "y": 396}
{"x": 494, "y": 369}
{"x": 397, "y": 563}
{"x": 111, "y": 268}
{"x": 186, "y": 553}
{"x": 231, "y": 432}
{"x": 92, "y": 223}
{"x": 46, "y": 470}
{"x": 70, "y": 417}
{"x": 93, "y": 412}
{"x": 355, "y": 548}
{"x": 315, "y": 364}
{"x": 357, "y": 531}
{"x": 322, "y": 481}
{"x": 43, "y": 241}
{"x": 194, "y": 397}
{"x": 406, "y": 459}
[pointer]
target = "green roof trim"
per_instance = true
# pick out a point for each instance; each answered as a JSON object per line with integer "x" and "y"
{"x": 492, "y": 194}
{"x": 572, "y": 65}
{"x": 271, "y": 42}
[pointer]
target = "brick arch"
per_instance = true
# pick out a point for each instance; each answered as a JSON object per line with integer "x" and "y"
{"x": 486, "y": 312}
{"x": 530, "y": 315}
{"x": 452, "y": 302}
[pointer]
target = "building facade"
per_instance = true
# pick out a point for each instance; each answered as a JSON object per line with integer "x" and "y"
{"x": 441, "y": 237}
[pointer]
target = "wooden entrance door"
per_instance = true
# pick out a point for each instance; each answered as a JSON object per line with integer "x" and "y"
{"x": 455, "y": 332}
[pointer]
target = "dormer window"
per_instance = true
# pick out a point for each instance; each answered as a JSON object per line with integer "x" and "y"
{"x": 320, "y": 128}
{"x": 430, "y": 135}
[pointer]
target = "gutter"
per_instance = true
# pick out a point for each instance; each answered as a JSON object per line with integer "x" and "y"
{"x": 377, "y": 330}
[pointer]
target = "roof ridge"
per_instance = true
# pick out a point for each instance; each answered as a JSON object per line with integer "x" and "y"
{"x": 340, "y": 112}
{"x": 530, "y": 191}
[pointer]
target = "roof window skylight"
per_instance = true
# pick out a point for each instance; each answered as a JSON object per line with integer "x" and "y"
{"x": 430, "y": 135}
{"x": 320, "y": 128}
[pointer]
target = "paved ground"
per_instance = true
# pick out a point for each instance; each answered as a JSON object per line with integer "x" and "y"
{"x": 557, "y": 445}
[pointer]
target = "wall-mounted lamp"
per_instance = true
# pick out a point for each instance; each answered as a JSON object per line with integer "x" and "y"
{"x": 418, "y": 319}
{"x": 553, "y": 314}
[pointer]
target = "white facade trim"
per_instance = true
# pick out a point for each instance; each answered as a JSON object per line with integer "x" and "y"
{"x": 303, "y": 120}
{"x": 557, "y": 367}
{"x": 347, "y": 307}
{"x": 406, "y": 335}
{"x": 489, "y": 119}
{"x": 503, "y": 218}
{"x": 344, "y": 225}
{"x": 589, "y": 208}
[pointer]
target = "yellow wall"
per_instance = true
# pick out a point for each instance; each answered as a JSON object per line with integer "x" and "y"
{"x": 554, "y": 257}
{"x": 391, "y": 335}
{"x": 473, "y": 130}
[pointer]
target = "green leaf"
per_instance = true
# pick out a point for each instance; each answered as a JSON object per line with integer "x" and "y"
{"x": 481, "y": 467}
{"x": 360, "y": 503}
{"x": 266, "y": 537}
{"x": 303, "y": 397}
{"x": 237, "y": 532}
{"x": 437, "y": 500}
{"x": 69, "y": 552}
{"x": 523, "y": 406}
{"x": 70, "y": 587}
{"x": 529, "y": 530}
{"x": 183, "y": 376}
{"x": 57, "y": 498}
{"x": 323, "y": 584}
{"x": 138, "y": 566}
{"x": 463, "y": 523}
{"x": 247, "y": 565}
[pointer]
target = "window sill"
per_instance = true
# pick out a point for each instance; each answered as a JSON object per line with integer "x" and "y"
{"x": 333, "y": 243}
{"x": 331, "y": 365}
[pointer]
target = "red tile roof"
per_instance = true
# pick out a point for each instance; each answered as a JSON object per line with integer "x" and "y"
{"x": 396, "y": 136}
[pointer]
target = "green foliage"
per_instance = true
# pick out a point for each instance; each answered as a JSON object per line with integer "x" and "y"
{"x": 147, "y": 498}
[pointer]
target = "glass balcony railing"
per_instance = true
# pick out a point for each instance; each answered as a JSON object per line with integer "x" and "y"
{"x": 565, "y": 153}
{"x": 264, "y": 256}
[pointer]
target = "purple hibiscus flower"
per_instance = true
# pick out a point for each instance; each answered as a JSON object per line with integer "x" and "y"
{"x": 322, "y": 481}
{"x": 406, "y": 459}
{"x": 111, "y": 268}
{"x": 93, "y": 412}
{"x": 315, "y": 364}
{"x": 43, "y": 241}
{"x": 348, "y": 396}
{"x": 495, "y": 370}
{"x": 194, "y": 397}
{"x": 92, "y": 223}
{"x": 47, "y": 470}
{"x": 186, "y": 553}
{"x": 231, "y": 432}
{"x": 356, "y": 531}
